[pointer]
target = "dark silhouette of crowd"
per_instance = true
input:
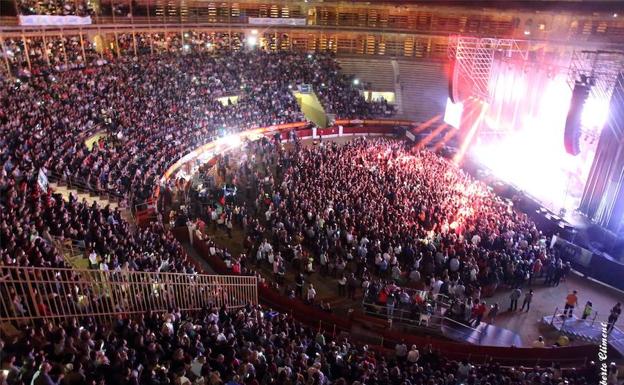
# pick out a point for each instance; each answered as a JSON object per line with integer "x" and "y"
{"x": 55, "y": 8}
{"x": 248, "y": 345}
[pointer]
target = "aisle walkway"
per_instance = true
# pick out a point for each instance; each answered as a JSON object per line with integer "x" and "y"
{"x": 529, "y": 325}
{"x": 485, "y": 335}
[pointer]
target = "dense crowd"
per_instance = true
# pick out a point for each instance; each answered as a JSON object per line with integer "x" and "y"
{"x": 152, "y": 110}
{"x": 38, "y": 55}
{"x": 55, "y": 7}
{"x": 388, "y": 213}
{"x": 248, "y": 345}
{"x": 365, "y": 211}
{"x": 35, "y": 56}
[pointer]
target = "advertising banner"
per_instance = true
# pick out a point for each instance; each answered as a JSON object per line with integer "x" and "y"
{"x": 275, "y": 21}
{"x": 34, "y": 20}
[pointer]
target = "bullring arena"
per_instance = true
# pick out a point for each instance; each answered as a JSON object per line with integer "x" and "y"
{"x": 304, "y": 192}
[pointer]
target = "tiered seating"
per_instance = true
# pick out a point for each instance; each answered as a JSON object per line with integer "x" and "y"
{"x": 425, "y": 89}
{"x": 154, "y": 110}
{"x": 376, "y": 72}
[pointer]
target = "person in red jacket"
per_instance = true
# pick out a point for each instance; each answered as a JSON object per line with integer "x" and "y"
{"x": 478, "y": 311}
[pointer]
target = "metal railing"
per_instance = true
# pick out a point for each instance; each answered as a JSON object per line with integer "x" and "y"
{"x": 403, "y": 316}
{"x": 73, "y": 251}
{"x": 81, "y": 185}
{"x": 592, "y": 320}
{"x": 28, "y": 294}
{"x": 431, "y": 322}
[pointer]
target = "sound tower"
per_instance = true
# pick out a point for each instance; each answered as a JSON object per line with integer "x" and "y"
{"x": 572, "y": 133}
{"x": 452, "y": 83}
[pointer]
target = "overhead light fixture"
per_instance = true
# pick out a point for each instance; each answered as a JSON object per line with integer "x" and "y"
{"x": 252, "y": 41}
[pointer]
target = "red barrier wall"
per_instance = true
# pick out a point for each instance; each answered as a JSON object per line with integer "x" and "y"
{"x": 315, "y": 317}
{"x": 370, "y": 130}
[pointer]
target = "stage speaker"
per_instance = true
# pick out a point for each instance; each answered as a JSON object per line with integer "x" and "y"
{"x": 572, "y": 133}
{"x": 452, "y": 83}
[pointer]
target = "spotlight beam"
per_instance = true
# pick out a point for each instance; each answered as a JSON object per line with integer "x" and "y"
{"x": 471, "y": 109}
{"x": 426, "y": 124}
{"x": 448, "y": 136}
{"x": 431, "y": 136}
{"x": 469, "y": 136}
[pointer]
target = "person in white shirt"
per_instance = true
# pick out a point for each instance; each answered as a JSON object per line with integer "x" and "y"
{"x": 414, "y": 275}
{"x": 436, "y": 286}
{"x": 197, "y": 364}
{"x": 311, "y": 293}
{"x": 539, "y": 342}
{"x": 459, "y": 290}
{"x": 463, "y": 370}
{"x": 93, "y": 259}
{"x": 413, "y": 356}
{"x": 342, "y": 285}
{"x": 400, "y": 351}
{"x": 396, "y": 273}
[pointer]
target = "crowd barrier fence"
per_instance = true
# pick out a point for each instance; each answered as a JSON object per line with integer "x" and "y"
{"x": 28, "y": 294}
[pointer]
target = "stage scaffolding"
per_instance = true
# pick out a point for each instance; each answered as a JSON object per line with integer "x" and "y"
{"x": 474, "y": 57}
{"x": 603, "y": 68}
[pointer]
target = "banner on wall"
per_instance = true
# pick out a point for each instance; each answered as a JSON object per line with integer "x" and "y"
{"x": 275, "y": 21}
{"x": 31, "y": 20}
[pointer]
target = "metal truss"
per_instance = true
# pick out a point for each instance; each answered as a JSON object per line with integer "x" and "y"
{"x": 474, "y": 58}
{"x": 604, "y": 69}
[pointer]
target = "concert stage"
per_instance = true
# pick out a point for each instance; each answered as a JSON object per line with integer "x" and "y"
{"x": 591, "y": 249}
{"x": 546, "y": 132}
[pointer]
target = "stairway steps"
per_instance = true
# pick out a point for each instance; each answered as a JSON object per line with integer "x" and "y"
{"x": 81, "y": 194}
{"x": 425, "y": 89}
{"x": 378, "y": 72}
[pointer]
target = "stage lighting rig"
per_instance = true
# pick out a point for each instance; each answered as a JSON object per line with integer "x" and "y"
{"x": 472, "y": 63}
{"x": 599, "y": 71}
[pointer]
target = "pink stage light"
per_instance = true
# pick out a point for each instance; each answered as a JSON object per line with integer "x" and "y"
{"x": 521, "y": 138}
{"x": 595, "y": 113}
